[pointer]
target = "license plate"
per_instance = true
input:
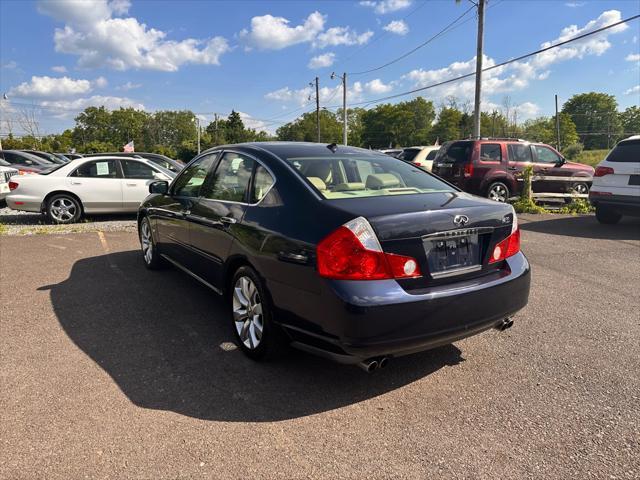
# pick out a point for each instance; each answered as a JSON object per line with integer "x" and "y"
{"x": 452, "y": 255}
{"x": 634, "y": 179}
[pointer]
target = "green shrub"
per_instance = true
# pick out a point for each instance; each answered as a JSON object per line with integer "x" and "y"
{"x": 577, "y": 206}
{"x": 572, "y": 151}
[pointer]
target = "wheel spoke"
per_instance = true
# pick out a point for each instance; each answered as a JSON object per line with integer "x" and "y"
{"x": 240, "y": 314}
{"x": 252, "y": 334}
{"x": 239, "y": 296}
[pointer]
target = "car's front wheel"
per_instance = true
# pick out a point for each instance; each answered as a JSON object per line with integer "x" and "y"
{"x": 150, "y": 254}
{"x": 63, "y": 208}
{"x": 256, "y": 333}
{"x": 498, "y": 191}
{"x": 607, "y": 215}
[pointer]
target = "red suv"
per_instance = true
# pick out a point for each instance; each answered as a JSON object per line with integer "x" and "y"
{"x": 493, "y": 168}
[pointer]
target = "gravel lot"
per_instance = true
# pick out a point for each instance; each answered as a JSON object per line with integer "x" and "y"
{"x": 111, "y": 371}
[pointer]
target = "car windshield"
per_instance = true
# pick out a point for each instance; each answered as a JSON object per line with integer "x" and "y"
{"x": 365, "y": 176}
{"x": 457, "y": 152}
{"x": 628, "y": 151}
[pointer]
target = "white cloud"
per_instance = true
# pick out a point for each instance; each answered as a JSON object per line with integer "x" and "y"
{"x": 100, "y": 40}
{"x": 50, "y": 87}
{"x": 274, "y": 33}
{"x": 59, "y": 69}
{"x": 254, "y": 123}
{"x": 377, "y": 87}
{"x": 68, "y": 108}
{"x": 306, "y": 95}
{"x": 399, "y": 27}
{"x": 386, "y": 6}
{"x": 322, "y": 61}
{"x": 574, "y": 4}
{"x": 341, "y": 36}
{"x": 633, "y": 57}
{"x": 632, "y": 90}
{"x": 11, "y": 65}
{"x": 527, "y": 110}
{"x": 129, "y": 86}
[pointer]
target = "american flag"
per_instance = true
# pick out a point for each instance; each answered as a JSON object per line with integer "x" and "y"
{"x": 128, "y": 147}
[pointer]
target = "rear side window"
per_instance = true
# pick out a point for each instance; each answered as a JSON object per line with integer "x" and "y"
{"x": 262, "y": 182}
{"x": 457, "y": 152}
{"x": 519, "y": 152}
{"x": 432, "y": 155}
{"x": 231, "y": 179}
{"x": 628, "y": 151}
{"x": 133, "y": 169}
{"x": 97, "y": 169}
{"x": 490, "y": 152}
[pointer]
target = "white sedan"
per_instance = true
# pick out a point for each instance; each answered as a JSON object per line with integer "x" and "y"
{"x": 5, "y": 176}
{"x": 86, "y": 186}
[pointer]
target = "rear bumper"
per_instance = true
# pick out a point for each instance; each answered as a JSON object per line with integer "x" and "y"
{"x": 26, "y": 203}
{"x": 361, "y": 320}
{"x": 629, "y": 204}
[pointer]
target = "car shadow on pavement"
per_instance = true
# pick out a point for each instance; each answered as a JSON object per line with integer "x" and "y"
{"x": 167, "y": 342}
{"x": 586, "y": 226}
{"x": 24, "y": 218}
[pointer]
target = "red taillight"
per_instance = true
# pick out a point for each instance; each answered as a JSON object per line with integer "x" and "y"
{"x": 13, "y": 185}
{"x": 507, "y": 247}
{"x": 468, "y": 169}
{"x": 352, "y": 252}
{"x": 26, "y": 172}
{"x": 602, "y": 171}
{"x": 417, "y": 164}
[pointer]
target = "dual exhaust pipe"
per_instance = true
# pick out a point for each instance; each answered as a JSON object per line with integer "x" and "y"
{"x": 506, "y": 323}
{"x": 372, "y": 364}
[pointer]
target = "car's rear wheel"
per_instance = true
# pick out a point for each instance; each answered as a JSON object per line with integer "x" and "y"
{"x": 150, "y": 254}
{"x": 498, "y": 192}
{"x": 607, "y": 215}
{"x": 578, "y": 189}
{"x": 64, "y": 208}
{"x": 256, "y": 333}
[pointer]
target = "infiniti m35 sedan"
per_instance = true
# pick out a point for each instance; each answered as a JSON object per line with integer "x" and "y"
{"x": 339, "y": 251}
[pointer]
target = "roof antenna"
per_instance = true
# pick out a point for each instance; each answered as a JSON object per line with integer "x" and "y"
{"x": 333, "y": 147}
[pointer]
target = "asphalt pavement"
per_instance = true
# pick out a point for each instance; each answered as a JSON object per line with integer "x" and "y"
{"x": 108, "y": 370}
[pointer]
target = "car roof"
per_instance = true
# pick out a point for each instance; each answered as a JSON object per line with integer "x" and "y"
{"x": 297, "y": 149}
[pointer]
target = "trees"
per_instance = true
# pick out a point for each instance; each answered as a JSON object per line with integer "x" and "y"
{"x": 543, "y": 130}
{"x": 303, "y": 129}
{"x": 595, "y": 116}
{"x": 630, "y": 120}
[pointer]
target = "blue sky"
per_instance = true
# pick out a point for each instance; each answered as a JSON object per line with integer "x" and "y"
{"x": 258, "y": 57}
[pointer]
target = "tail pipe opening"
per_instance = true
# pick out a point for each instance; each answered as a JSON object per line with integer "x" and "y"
{"x": 506, "y": 323}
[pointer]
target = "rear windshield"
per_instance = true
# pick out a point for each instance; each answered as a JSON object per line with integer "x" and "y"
{"x": 52, "y": 169}
{"x": 457, "y": 152}
{"x": 365, "y": 176}
{"x": 628, "y": 151}
{"x": 409, "y": 154}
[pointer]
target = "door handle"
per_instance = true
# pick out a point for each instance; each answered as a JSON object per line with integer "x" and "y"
{"x": 512, "y": 168}
{"x": 75, "y": 183}
{"x": 131, "y": 184}
{"x": 228, "y": 220}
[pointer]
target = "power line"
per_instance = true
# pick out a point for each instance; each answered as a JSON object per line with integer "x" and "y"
{"x": 521, "y": 57}
{"x": 415, "y": 49}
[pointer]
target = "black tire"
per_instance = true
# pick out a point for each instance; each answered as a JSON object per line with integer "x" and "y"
{"x": 150, "y": 254}
{"x": 272, "y": 341}
{"x": 64, "y": 208}
{"x": 607, "y": 215}
{"x": 498, "y": 192}
{"x": 580, "y": 187}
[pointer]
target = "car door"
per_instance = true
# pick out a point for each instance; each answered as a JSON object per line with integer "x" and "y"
{"x": 548, "y": 163}
{"x": 172, "y": 215}
{"x": 137, "y": 177}
{"x": 216, "y": 216}
{"x": 98, "y": 185}
{"x": 520, "y": 157}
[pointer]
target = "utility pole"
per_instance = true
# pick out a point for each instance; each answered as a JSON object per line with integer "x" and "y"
{"x": 197, "y": 122}
{"x": 318, "y": 109}
{"x": 215, "y": 116}
{"x": 608, "y": 131}
{"x": 557, "y": 125}
{"x": 344, "y": 105}
{"x": 480, "y": 45}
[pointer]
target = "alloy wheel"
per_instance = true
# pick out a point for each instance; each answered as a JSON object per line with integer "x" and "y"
{"x": 63, "y": 209}
{"x": 146, "y": 241}
{"x": 247, "y": 312}
{"x": 580, "y": 188}
{"x": 498, "y": 193}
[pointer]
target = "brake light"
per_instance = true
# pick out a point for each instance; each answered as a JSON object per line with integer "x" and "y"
{"x": 509, "y": 246}
{"x": 26, "y": 172}
{"x": 468, "y": 169}
{"x": 602, "y": 171}
{"x": 352, "y": 252}
{"x": 13, "y": 185}
{"x": 418, "y": 164}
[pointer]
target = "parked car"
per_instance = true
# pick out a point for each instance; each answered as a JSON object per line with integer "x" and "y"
{"x": 422, "y": 157}
{"x": 88, "y": 185}
{"x": 22, "y": 170}
{"x": 393, "y": 152}
{"x": 339, "y": 251}
{"x": 62, "y": 157}
{"x": 71, "y": 156}
{"x": 616, "y": 184}
{"x": 46, "y": 156}
{"x": 493, "y": 168}
{"x": 5, "y": 176}
{"x": 25, "y": 162}
{"x": 162, "y": 160}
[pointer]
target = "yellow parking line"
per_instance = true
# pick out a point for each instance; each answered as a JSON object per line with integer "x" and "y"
{"x": 103, "y": 241}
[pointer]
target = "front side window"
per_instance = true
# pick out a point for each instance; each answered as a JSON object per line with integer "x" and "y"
{"x": 190, "y": 181}
{"x": 97, "y": 169}
{"x": 490, "y": 152}
{"x": 519, "y": 152}
{"x": 338, "y": 177}
{"x": 138, "y": 170}
{"x": 231, "y": 178}
{"x": 546, "y": 155}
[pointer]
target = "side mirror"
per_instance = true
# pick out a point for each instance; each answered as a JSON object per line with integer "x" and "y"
{"x": 562, "y": 161}
{"x": 159, "y": 186}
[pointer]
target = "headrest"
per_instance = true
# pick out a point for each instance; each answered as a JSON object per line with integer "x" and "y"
{"x": 382, "y": 180}
{"x": 318, "y": 183}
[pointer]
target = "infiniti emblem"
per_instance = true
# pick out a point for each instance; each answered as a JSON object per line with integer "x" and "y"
{"x": 460, "y": 220}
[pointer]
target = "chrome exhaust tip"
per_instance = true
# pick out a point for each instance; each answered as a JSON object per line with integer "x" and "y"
{"x": 383, "y": 362}
{"x": 506, "y": 323}
{"x": 368, "y": 365}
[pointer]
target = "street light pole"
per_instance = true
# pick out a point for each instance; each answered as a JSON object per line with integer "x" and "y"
{"x": 479, "y": 53}
{"x": 344, "y": 105}
{"x": 318, "y": 109}
{"x": 197, "y": 121}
